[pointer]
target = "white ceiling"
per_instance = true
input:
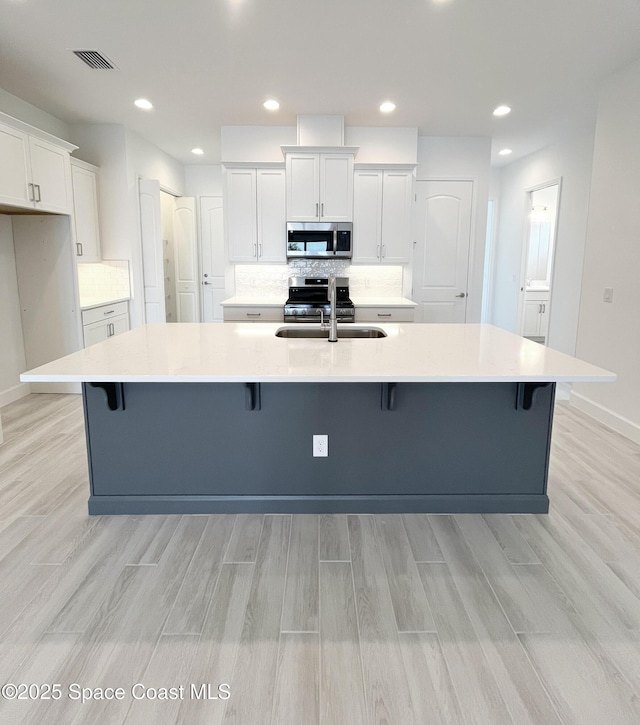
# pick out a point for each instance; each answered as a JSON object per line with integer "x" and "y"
{"x": 209, "y": 63}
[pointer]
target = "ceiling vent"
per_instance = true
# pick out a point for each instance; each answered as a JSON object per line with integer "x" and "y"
{"x": 94, "y": 59}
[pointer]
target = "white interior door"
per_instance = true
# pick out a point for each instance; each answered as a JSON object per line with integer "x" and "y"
{"x": 152, "y": 259}
{"x": 441, "y": 257}
{"x": 213, "y": 261}
{"x": 186, "y": 260}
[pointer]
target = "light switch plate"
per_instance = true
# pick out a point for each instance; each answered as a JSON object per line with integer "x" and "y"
{"x": 608, "y": 294}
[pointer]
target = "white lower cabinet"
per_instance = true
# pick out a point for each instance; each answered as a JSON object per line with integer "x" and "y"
{"x": 100, "y": 323}
{"x": 536, "y": 315}
{"x": 385, "y": 314}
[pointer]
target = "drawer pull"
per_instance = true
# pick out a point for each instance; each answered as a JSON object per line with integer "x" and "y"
{"x": 254, "y": 314}
{"x": 384, "y": 314}
{"x": 110, "y": 312}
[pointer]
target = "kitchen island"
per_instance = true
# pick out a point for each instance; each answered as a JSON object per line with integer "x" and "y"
{"x": 200, "y": 418}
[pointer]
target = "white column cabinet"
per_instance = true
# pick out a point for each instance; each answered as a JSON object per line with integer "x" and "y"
{"x": 382, "y": 216}
{"x": 319, "y": 187}
{"x": 84, "y": 178}
{"x": 255, "y": 214}
{"x": 35, "y": 168}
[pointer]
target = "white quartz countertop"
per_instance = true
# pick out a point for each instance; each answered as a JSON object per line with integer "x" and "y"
{"x": 250, "y": 352}
{"x": 88, "y": 303}
{"x": 280, "y": 301}
{"x": 382, "y": 302}
{"x": 254, "y": 301}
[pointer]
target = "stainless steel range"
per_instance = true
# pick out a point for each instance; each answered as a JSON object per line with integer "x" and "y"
{"x": 309, "y": 296}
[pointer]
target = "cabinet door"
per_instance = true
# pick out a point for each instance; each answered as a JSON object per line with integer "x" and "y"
{"x": 336, "y": 187}
{"x": 241, "y": 215}
{"x": 271, "y": 204}
{"x": 367, "y": 216}
{"x": 531, "y": 326}
{"x": 120, "y": 324}
{"x": 14, "y": 176}
{"x": 51, "y": 176}
{"x": 85, "y": 214}
{"x": 543, "y": 324}
{"x": 303, "y": 187}
{"x": 396, "y": 217}
{"x": 95, "y": 332}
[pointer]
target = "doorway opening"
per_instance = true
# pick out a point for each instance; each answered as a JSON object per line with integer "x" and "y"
{"x": 539, "y": 248}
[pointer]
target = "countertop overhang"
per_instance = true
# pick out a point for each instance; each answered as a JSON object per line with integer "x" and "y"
{"x": 250, "y": 352}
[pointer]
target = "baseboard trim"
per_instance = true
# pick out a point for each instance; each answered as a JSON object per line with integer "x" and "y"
{"x": 607, "y": 417}
{"x": 14, "y": 393}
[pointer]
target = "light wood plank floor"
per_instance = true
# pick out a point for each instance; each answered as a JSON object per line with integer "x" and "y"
{"x": 354, "y": 620}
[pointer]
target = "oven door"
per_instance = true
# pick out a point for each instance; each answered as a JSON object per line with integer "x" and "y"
{"x": 318, "y": 240}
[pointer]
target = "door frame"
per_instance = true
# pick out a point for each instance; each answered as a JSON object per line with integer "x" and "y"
{"x": 524, "y": 252}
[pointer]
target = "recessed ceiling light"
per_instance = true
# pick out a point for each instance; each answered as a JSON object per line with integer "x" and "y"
{"x": 501, "y": 111}
{"x": 197, "y": 151}
{"x": 271, "y": 104}
{"x": 144, "y": 104}
{"x": 387, "y": 107}
{"x": 504, "y": 152}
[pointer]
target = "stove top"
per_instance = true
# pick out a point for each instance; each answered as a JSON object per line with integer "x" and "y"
{"x": 309, "y": 296}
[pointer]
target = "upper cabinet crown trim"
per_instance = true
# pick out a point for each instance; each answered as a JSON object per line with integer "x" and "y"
{"x": 320, "y": 150}
{"x": 36, "y": 132}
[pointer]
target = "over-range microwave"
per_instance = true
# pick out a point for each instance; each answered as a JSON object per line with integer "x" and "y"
{"x": 319, "y": 240}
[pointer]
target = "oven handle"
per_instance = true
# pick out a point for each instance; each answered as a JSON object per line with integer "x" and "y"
{"x": 335, "y": 241}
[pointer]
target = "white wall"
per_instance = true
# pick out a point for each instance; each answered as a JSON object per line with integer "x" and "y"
{"x": 570, "y": 160}
{"x": 463, "y": 158}
{"x": 123, "y": 158}
{"x": 609, "y": 334}
{"x": 16, "y": 107}
{"x": 203, "y": 180}
{"x": 12, "y": 359}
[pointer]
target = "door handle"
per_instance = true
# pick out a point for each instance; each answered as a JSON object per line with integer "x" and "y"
{"x": 207, "y": 283}
{"x": 462, "y": 294}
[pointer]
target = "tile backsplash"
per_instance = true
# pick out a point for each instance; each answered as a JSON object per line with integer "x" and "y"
{"x": 272, "y": 280}
{"x": 108, "y": 280}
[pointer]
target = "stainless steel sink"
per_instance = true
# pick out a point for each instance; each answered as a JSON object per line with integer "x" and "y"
{"x": 343, "y": 332}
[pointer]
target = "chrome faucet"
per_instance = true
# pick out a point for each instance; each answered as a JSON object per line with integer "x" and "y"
{"x": 333, "y": 321}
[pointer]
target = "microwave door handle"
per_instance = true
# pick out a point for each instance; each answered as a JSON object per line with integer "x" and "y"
{"x": 335, "y": 241}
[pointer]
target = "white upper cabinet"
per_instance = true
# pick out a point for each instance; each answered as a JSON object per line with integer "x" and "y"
{"x": 14, "y": 163}
{"x": 255, "y": 214}
{"x": 35, "y": 168}
{"x": 319, "y": 187}
{"x": 382, "y": 216}
{"x": 84, "y": 178}
{"x": 271, "y": 213}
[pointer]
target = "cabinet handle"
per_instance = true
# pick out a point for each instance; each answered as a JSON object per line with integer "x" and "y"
{"x": 378, "y": 255}
{"x": 255, "y": 250}
{"x": 544, "y": 308}
{"x": 253, "y": 314}
{"x": 37, "y": 186}
{"x": 79, "y": 249}
{"x": 110, "y": 312}
{"x": 317, "y": 209}
{"x": 384, "y": 314}
{"x": 384, "y": 250}
{"x": 322, "y": 209}
{"x": 259, "y": 250}
{"x": 32, "y": 196}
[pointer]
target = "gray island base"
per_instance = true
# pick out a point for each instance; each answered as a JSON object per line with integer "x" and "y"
{"x": 161, "y": 448}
